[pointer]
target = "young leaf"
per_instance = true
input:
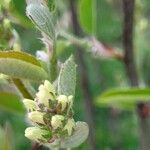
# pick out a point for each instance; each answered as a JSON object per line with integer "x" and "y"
{"x": 124, "y": 98}
{"x": 67, "y": 78}
{"x": 21, "y": 65}
{"x": 79, "y": 136}
{"x": 35, "y": 2}
{"x": 42, "y": 18}
{"x": 11, "y": 102}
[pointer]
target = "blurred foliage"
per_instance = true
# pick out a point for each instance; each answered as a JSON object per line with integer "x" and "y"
{"x": 102, "y": 74}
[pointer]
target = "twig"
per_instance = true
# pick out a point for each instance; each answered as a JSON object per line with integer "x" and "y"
{"x": 36, "y": 146}
{"x": 128, "y": 8}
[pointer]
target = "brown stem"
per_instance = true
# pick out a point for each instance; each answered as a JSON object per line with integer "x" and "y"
{"x": 89, "y": 108}
{"x": 36, "y": 146}
{"x": 128, "y": 8}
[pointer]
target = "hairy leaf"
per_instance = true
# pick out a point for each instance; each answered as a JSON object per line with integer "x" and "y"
{"x": 21, "y": 65}
{"x": 42, "y": 18}
{"x": 67, "y": 78}
{"x": 79, "y": 136}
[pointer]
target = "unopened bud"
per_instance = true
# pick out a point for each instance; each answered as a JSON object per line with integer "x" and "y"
{"x": 43, "y": 97}
{"x": 56, "y": 121}
{"x": 63, "y": 100}
{"x": 30, "y": 104}
{"x": 49, "y": 86}
{"x": 36, "y": 134}
{"x": 70, "y": 126}
{"x": 36, "y": 117}
{"x": 46, "y": 93}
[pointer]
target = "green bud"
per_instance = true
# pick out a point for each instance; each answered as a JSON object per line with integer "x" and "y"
{"x": 70, "y": 126}
{"x": 42, "y": 18}
{"x": 36, "y": 117}
{"x": 30, "y": 104}
{"x": 56, "y": 121}
{"x": 36, "y": 134}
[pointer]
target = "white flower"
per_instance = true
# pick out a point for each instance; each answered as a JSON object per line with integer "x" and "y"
{"x": 49, "y": 86}
{"x": 36, "y": 117}
{"x": 56, "y": 121}
{"x": 46, "y": 93}
{"x": 36, "y": 134}
{"x": 30, "y": 104}
{"x": 43, "y": 97}
{"x": 70, "y": 126}
{"x": 63, "y": 100}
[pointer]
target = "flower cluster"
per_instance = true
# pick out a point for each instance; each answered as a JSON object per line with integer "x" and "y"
{"x": 50, "y": 114}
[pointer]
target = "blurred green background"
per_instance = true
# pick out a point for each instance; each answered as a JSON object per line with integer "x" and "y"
{"x": 114, "y": 129}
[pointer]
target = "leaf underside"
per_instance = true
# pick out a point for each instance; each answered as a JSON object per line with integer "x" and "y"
{"x": 79, "y": 136}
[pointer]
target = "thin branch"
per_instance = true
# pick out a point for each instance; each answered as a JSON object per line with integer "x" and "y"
{"x": 128, "y": 8}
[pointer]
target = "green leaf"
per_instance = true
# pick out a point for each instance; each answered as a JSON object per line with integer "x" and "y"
{"x": 11, "y": 102}
{"x": 67, "y": 78}
{"x": 42, "y": 18}
{"x": 17, "y": 10}
{"x": 87, "y": 15}
{"x": 124, "y": 98}
{"x": 79, "y": 136}
{"x": 8, "y": 138}
{"x": 21, "y": 65}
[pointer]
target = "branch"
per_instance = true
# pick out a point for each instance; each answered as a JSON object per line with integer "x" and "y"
{"x": 128, "y": 8}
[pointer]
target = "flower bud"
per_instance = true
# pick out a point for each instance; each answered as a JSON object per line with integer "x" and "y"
{"x": 30, "y": 104}
{"x": 36, "y": 117}
{"x": 36, "y": 134}
{"x": 69, "y": 126}
{"x": 63, "y": 100}
{"x": 49, "y": 86}
{"x": 56, "y": 121}
{"x": 46, "y": 93}
{"x": 43, "y": 97}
